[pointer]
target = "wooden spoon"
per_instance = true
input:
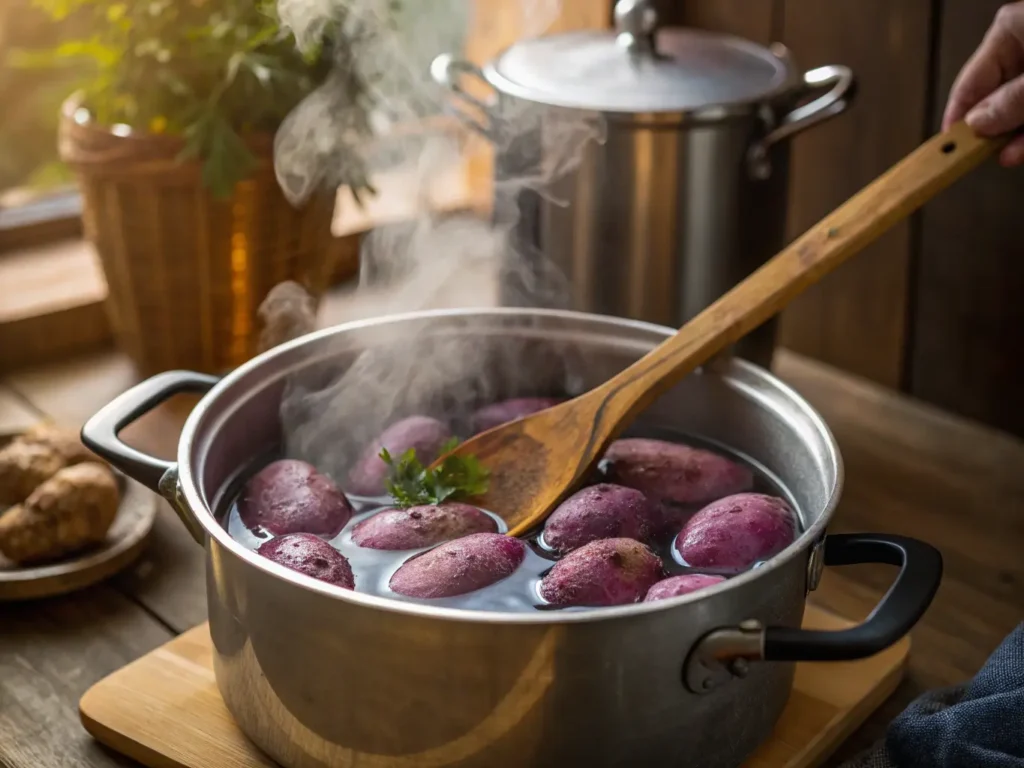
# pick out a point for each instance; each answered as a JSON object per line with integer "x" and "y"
{"x": 537, "y": 461}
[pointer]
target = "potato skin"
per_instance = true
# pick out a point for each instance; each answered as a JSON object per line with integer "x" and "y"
{"x": 603, "y": 511}
{"x": 69, "y": 512}
{"x": 675, "y": 473}
{"x": 422, "y": 433}
{"x": 421, "y": 526}
{"x": 731, "y": 534}
{"x": 681, "y": 585}
{"x": 496, "y": 414}
{"x": 34, "y": 457}
{"x": 602, "y": 573}
{"x": 66, "y": 443}
{"x": 310, "y": 555}
{"x": 290, "y": 496}
{"x": 23, "y": 468}
{"x": 460, "y": 566}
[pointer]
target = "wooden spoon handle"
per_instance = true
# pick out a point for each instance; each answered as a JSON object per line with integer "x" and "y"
{"x": 864, "y": 217}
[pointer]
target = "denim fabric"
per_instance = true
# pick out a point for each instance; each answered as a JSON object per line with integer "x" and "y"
{"x": 978, "y": 725}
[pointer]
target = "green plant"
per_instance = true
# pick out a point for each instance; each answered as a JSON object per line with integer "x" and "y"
{"x": 211, "y": 71}
{"x": 456, "y": 477}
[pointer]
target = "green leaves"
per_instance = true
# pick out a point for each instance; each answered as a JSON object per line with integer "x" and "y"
{"x": 411, "y": 484}
{"x": 211, "y": 71}
{"x": 66, "y": 54}
{"x": 226, "y": 158}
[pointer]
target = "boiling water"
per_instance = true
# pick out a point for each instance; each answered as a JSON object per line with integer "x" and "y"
{"x": 373, "y": 568}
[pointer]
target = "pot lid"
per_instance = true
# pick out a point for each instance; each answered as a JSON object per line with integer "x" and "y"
{"x": 638, "y": 68}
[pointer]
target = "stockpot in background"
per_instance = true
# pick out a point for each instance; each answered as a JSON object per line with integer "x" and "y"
{"x": 680, "y": 189}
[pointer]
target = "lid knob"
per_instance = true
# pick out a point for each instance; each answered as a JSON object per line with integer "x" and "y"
{"x": 635, "y": 24}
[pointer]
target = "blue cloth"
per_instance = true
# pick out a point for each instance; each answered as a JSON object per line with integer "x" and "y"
{"x": 978, "y": 725}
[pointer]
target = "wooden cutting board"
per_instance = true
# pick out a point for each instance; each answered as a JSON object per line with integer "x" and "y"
{"x": 164, "y": 709}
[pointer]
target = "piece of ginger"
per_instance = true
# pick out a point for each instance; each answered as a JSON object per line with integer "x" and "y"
{"x": 36, "y": 456}
{"x": 70, "y": 511}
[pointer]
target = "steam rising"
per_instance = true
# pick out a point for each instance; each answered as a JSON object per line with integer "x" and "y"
{"x": 359, "y": 121}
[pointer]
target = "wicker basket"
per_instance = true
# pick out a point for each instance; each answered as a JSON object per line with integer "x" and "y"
{"x": 186, "y": 273}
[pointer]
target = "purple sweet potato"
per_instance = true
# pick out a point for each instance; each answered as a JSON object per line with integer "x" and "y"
{"x": 290, "y": 496}
{"x": 310, "y": 555}
{"x": 681, "y": 585}
{"x": 674, "y": 476}
{"x": 423, "y": 526}
{"x": 496, "y": 414}
{"x": 603, "y": 511}
{"x": 460, "y": 566}
{"x": 605, "y": 572}
{"x": 422, "y": 433}
{"x": 733, "y": 533}
{"x": 671, "y": 472}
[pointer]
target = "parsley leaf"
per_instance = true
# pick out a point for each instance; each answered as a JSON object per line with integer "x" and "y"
{"x": 457, "y": 477}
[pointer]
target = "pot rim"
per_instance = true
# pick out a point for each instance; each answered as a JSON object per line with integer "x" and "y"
{"x": 215, "y": 530}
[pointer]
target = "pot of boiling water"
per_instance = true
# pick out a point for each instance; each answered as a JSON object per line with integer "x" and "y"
{"x": 642, "y": 172}
{"x": 318, "y": 675}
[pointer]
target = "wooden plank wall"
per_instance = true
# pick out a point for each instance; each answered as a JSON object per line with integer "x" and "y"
{"x": 968, "y": 343}
{"x": 856, "y": 318}
{"x": 933, "y": 308}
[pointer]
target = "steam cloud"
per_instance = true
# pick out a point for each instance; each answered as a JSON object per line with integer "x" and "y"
{"x": 438, "y": 260}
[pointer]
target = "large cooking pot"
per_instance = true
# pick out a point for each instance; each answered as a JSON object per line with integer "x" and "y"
{"x": 680, "y": 190}
{"x": 316, "y": 675}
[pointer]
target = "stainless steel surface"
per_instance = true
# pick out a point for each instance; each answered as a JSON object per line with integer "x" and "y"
{"x": 447, "y": 71}
{"x": 687, "y": 193}
{"x": 315, "y": 675}
{"x": 723, "y": 655}
{"x": 840, "y": 83}
{"x": 683, "y": 74}
{"x": 663, "y": 222}
{"x": 816, "y": 565}
{"x": 636, "y": 22}
{"x": 170, "y": 489}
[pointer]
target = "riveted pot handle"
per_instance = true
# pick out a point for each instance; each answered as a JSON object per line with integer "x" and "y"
{"x": 842, "y": 87}
{"x": 101, "y": 433}
{"x": 726, "y": 653}
{"x": 447, "y": 71}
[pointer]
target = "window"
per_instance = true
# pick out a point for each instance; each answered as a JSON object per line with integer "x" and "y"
{"x": 29, "y": 167}
{"x": 51, "y": 288}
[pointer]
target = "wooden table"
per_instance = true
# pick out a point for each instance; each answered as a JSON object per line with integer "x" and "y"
{"x": 910, "y": 470}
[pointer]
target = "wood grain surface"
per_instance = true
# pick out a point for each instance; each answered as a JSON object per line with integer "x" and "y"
{"x": 856, "y": 318}
{"x": 751, "y": 19}
{"x": 910, "y": 469}
{"x": 164, "y": 710}
{"x": 968, "y": 318}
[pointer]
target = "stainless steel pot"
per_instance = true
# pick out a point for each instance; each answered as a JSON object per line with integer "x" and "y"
{"x": 687, "y": 193}
{"x": 317, "y": 675}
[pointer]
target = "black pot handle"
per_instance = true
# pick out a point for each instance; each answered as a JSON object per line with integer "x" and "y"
{"x": 101, "y": 433}
{"x": 726, "y": 653}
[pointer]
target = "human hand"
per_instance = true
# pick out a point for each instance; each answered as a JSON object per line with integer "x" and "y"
{"x": 989, "y": 91}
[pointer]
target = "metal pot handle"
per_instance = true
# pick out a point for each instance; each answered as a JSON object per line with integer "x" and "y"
{"x": 842, "y": 87}
{"x": 446, "y": 71}
{"x": 726, "y": 653}
{"x": 101, "y": 434}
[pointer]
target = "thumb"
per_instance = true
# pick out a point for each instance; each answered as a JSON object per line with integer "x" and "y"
{"x": 1001, "y": 112}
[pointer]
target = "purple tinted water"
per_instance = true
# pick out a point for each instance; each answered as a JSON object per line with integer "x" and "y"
{"x": 517, "y": 593}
